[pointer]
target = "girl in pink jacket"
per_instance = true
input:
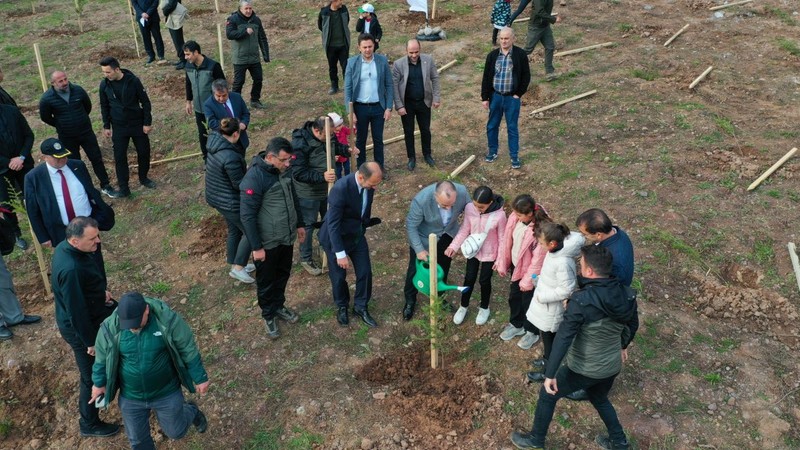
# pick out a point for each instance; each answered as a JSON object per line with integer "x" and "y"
{"x": 521, "y": 254}
{"x": 484, "y": 215}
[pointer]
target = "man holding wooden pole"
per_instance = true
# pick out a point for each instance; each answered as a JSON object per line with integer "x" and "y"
{"x": 539, "y": 31}
{"x": 311, "y": 173}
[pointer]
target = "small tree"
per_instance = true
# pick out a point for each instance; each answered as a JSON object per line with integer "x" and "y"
{"x": 79, "y": 4}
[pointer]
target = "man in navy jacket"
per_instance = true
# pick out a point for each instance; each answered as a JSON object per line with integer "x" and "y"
{"x": 221, "y": 104}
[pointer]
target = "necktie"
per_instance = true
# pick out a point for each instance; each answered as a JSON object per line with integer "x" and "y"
{"x": 363, "y": 201}
{"x": 230, "y": 113}
{"x": 67, "y": 198}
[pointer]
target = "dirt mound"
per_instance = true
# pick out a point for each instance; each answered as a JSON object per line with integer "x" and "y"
{"x": 432, "y": 401}
{"x": 119, "y": 52}
{"x": 759, "y": 308}
{"x": 67, "y": 30}
{"x": 172, "y": 85}
{"x": 211, "y": 237}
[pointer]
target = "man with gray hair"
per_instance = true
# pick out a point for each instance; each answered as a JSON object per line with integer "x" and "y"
{"x": 435, "y": 209}
{"x": 221, "y": 104}
{"x": 66, "y": 106}
{"x": 245, "y": 30}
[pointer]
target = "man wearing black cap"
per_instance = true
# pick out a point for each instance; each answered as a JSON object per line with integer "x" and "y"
{"x": 82, "y": 303}
{"x": 60, "y": 190}
{"x": 147, "y": 351}
{"x": 16, "y": 141}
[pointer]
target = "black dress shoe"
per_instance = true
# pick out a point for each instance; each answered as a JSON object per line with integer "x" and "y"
{"x": 524, "y": 441}
{"x": 365, "y": 317}
{"x": 579, "y": 395}
{"x": 27, "y": 320}
{"x": 5, "y": 333}
{"x": 429, "y": 160}
{"x": 21, "y": 243}
{"x": 101, "y": 429}
{"x": 535, "y": 377}
{"x": 408, "y": 311}
{"x": 412, "y": 163}
{"x": 341, "y": 316}
{"x": 539, "y": 363}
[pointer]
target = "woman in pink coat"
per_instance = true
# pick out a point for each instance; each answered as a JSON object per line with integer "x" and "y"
{"x": 521, "y": 254}
{"x": 484, "y": 215}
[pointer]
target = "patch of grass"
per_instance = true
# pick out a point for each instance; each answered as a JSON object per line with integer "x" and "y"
{"x": 681, "y": 122}
{"x": 265, "y": 440}
{"x": 784, "y": 16}
{"x": 713, "y": 378}
{"x": 725, "y": 125}
{"x": 774, "y": 193}
{"x": 789, "y": 46}
{"x": 176, "y": 227}
{"x": 673, "y": 366}
{"x": 729, "y": 182}
{"x": 303, "y": 439}
{"x": 711, "y": 138}
{"x": 6, "y": 425}
{"x": 698, "y": 338}
{"x": 705, "y": 185}
{"x": 477, "y": 350}
{"x": 160, "y": 287}
{"x": 690, "y": 106}
{"x": 616, "y": 126}
{"x": 763, "y": 252}
{"x": 624, "y": 27}
{"x": 793, "y": 196}
{"x": 645, "y": 74}
{"x": 317, "y": 315}
{"x": 725, "y": 345}
{"x": 563, "y": 420}
{"x": 689, "y": 404}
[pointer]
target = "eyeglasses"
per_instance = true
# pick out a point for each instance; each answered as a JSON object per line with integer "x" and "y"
{"x": 284, "y": 160}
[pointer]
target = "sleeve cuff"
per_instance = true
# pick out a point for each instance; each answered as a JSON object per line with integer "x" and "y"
{"x": 341, "y": 255}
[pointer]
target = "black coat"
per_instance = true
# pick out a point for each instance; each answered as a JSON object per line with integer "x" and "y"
{"x": 16, "y": 137}
{"x": 225, "y": 168}
{"x": 374, "y": 29}
{"x": 131, "y": 110}
{"x": 70, "y": 119}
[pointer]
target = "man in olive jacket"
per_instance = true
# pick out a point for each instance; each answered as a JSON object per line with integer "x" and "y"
{"x": 246, "y": 33}
{"x": 271, "y": 218}
{"x": 600, "y": 322}
{"x": 147, "y": 351}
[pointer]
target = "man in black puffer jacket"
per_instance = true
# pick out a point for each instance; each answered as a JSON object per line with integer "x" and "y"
{"x": 66, "y": 106}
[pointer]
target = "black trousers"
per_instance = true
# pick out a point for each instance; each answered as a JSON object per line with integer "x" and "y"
{"x": 152, "y": 28}
{"x": 272, "y": 276}
{"x": 518, "y": 303}
{"x": 409, "y": 291}
{"x": 88, "y": 412}
{"x": 256, "y": 72}
{"x": 13, "y": 180}
{"x": 548, "y": 338}
{"x": 202, "y": 132}
{"x": 120, "y": 140}
{"x": 417, "y": 109}
{"x": 485, "y": 268}
{"x": 177, "y": 41}
{"x": 336, "y": 55}
{"x": 87, "y": 141}
{"x": 359, "y": 256}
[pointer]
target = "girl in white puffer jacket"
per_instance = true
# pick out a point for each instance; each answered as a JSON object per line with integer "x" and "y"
{"x": 556, "y": 281}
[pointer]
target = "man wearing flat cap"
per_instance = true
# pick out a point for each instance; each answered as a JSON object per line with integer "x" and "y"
{"x": 146, "y": 351}
{"x": 60, "y": 190}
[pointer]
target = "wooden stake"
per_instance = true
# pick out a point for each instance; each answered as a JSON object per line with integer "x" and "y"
{"x": 795, "y": 262}
{"x": 463, "y": 166}
{"x": 774, "y": 167}
{"x": 177, "y": 158}
{"x": 351, "y": 118}
{"x": 447, "y": 66}
{"x": 219, "y": 39}
{"x": 701, "y": 77}
{"x": 562, "y": 102}
{"x": 669, "y": 41}
{"x": 80, "y": 13}
{"x": 329, "y": 157}
{"x": 40, "y": 258}
{"x": 133, "y": 28}
{"x": 391, "y": 140}
{"x": 216, "y": 5}
{"x": 41, "y": 66}
{"x": 524, "y": 19}
{"x": 434, "y": 289}
{"x": 729, "y": 5}
{"x": 583, "y": 49}
{"x": 433, "y": 10}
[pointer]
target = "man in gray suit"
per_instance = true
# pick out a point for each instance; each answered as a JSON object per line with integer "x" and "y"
{"x": 416, "y": 89}
{"x": 435, "y": 209}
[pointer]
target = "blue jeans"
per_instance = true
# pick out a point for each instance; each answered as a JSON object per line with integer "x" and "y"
{"x": 569, "y": 382}
{"x": 312, "y": 211}
{"x": 342, "y": 169}
{"x": 174, "y": 416}
{"x": 499, "y": 106}
{"x": 369, "y": 117}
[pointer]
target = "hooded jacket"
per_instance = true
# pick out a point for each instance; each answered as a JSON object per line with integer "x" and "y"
{"x": 530, "y": 259}
{"x": 131, "y": 110}
{"x": 310, "y": 164}
{"x": 70, "y": 118}
{"x": 557, "y": 280}
{"x": 475, "y": 222}
{"x": 225, "y": 168}
{"x": 602, "y": 319}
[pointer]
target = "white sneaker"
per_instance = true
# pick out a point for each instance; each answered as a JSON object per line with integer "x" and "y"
{"x": 460, "y": 314}
{"x": 250, "y": 268}
{"x": 483, "y": 316}
{"x": 528, "y": 340}
{"x": 510, "y": 332}
{"x": 241, "y": 275}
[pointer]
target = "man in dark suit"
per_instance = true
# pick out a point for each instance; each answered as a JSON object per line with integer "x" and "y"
{"x": 342, "y": 235}
{"x": 224, "y": 103}
{"x": 16, "y": 141}
{"x": 60, "y": 190}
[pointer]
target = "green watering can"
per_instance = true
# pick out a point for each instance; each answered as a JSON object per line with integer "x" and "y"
{"x": 423, "y": 276}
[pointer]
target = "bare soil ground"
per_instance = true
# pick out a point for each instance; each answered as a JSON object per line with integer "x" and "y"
{"x": 715, "y": 364}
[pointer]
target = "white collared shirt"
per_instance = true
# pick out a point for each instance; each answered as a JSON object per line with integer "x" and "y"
{"x": 368, "y": 84}
{"x": 80, "y": 199}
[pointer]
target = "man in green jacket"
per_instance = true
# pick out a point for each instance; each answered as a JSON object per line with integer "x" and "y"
{"x": 600, "y": 322}
{"x": 246, "y": 33}
{"x": 147, "y": 351}
{"x": 270, "y": 214}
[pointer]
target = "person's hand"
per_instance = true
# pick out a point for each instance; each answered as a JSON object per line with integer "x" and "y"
{"x": 301, "y": 234}
{"x": 107, "y": 132}
{"x": 423, "y": 255}
{"x": 343, "y": 263}
{"x": 90, "y": 351}
{"x": 551, "y": 386}
{"x": 449, "y": 252}
{"x": 250, "y": 31}
{"x": 47, "y": 244}
{"x": 525, "y": 287}
{"x": 485, "y": 104}
{"x": 145, "y": 16}
{"x": 387, "y": 114}
{"x": 259, "y": 255}
{"x": 624, "y": 355}
{"x": 109, "y": 298}
{"x": 188, "y": 107}
{"x": 97, "y": 392}
{"x": 330, "y": 176}
{"x": 242, "y": 126}
{"x": 355, "y": 151}
{"x": 516, "y": 97}
{"x": 402, "y": 111}
{"x": 202, "y": 388}
{"x": 437, "y": 104}
{"x": 15, "y": 164}
{"x": 558, "y": 19}
{"x": 147, "y": 129}
{"x": 564, "y": 303}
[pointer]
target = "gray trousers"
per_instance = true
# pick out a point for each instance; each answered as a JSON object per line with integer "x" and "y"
{"x": 10, "y": 308}
{"x": 545, "y": 35}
